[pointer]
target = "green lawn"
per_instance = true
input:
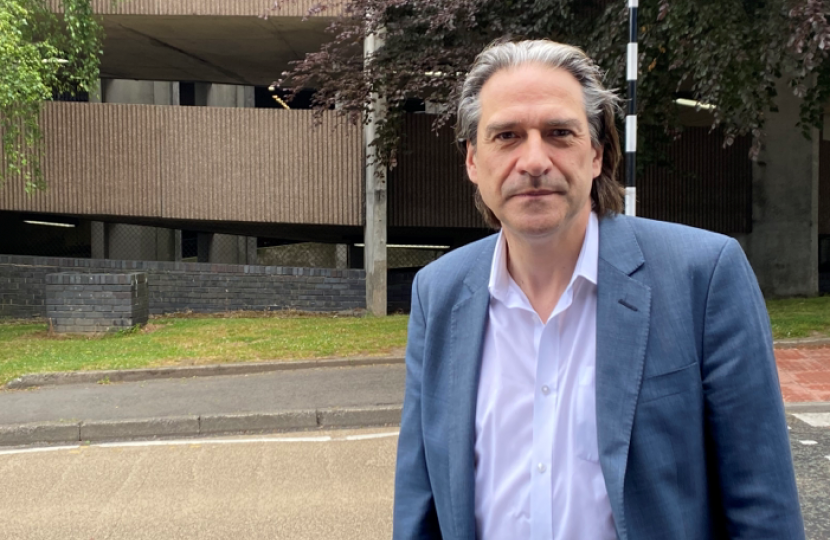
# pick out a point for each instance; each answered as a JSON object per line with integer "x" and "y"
{"x": 177, "y": 341}
{"x": 28, "y": 348}
{"x": 800, "y": 317}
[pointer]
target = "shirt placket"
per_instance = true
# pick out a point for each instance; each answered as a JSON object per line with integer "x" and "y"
{"x": 544, "y": 426}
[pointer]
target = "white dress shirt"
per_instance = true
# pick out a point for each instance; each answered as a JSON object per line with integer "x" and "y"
{"x": 537, "y": 465}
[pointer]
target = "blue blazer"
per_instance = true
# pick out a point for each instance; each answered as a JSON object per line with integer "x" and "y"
{"x": 692, "y": 436}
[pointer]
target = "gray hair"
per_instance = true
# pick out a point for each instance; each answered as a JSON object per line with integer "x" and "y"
{"x": 601, "y": 105}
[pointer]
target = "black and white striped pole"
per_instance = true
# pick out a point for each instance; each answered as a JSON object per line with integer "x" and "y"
{"x": 631, "y": 116}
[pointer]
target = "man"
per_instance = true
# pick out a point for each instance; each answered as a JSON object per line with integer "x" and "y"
{"x": 583, "y": 375}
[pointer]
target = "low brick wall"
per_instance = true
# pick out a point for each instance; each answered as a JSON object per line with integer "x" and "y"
{"x": 199, "y": 287}
{"x": 96, "y": 303}
{"x": 399, "y": 289}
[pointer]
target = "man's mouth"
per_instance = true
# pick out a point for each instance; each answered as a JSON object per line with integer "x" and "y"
{"x": 531, "y": 193}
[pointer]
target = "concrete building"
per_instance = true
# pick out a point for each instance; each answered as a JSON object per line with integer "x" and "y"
{"x": 184, "y": 154}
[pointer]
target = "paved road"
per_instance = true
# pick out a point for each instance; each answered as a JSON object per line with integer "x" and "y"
{"x": 811, "y": 455}
{"x": 335, "y": 484}
{"x": 280, "y": 489}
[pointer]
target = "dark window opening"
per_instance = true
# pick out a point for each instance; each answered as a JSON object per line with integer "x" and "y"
{"x": 263, "y": 98}
{"x": 187, "y": 94}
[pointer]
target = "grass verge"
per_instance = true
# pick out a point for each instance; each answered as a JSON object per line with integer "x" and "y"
{"x": 178, "y": 341}
{"x": 800, "y": 317}
{"x": 27, "y": 347}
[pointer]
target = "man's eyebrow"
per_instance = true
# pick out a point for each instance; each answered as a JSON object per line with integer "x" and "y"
{"x": 498, "y": 127}
{"x": 571, "y": 123}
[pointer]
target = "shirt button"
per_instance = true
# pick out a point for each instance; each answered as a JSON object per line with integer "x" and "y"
{"x": 545, "y": 390}
{"x": 541, "y": 467}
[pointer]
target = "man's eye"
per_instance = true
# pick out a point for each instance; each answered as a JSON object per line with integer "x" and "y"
{"x": 506, "y": 135}
{"x": 561, "y": 133}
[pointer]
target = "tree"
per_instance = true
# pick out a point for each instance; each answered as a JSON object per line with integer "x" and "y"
{"x": 727, "y": 53}
{"x": 42, "y": 53}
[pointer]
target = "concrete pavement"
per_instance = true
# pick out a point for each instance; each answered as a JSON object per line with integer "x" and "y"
{"x": 267, "y": 398}
{"x": 269, "y": 401}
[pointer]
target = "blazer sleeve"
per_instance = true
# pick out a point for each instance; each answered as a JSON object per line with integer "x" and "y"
{"x": 747, "y": 440}
{"x": 414, "y": 515}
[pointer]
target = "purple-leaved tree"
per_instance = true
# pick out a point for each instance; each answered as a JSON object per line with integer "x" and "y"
{"x": 726, "y": 53}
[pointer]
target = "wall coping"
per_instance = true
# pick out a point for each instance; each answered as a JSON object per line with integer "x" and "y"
{"x": 125, "y": 266}
{"x": 83, "y": 278}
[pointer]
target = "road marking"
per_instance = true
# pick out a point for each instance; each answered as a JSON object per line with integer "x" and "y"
{"x": 42, "y": 449}
{"x": 814, "y": 419}
{"x": 372, "y": 436}
{"x": 199, "y": 442}
{"x": 808, "y": 443}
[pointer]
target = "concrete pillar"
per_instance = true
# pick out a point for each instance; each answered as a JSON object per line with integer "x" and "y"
{"x": 165, "y": 244}
{"x": 139, "y": 243}
{"x": 783, "y": 245}
{"x": 232, "y": 249}
{"x": 140, "y": 92}
{"x": 166, "y": 93}
{"x": 98, "y": 239}
{"x": 177, "y": 245}
{"x": 375, "y": 231}
{"x": 200, "y": 94}
{"x": 229, "y": 95}
{"x": 250, "y": 249}
{"x": 226, "y": 248}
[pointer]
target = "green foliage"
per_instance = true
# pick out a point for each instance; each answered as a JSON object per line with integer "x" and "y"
{"x": 41, "y": 52}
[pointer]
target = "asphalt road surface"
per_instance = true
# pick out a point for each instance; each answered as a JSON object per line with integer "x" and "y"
{"x": 302, "y": 486}
{"x": 335, "y": 484}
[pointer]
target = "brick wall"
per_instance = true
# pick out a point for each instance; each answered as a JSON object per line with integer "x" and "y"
{"x": 85, "y": 303}
{"x": 199, "y": 287}
{"x": 399, "y": 289}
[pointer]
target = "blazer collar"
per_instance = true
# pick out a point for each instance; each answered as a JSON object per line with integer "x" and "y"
{"x": 623, "y": 322}
{"x": 479, "y": 274}
{"x": 618, "y": 246}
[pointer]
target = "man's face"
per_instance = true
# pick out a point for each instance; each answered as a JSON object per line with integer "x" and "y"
{"x": 533, "y": 160}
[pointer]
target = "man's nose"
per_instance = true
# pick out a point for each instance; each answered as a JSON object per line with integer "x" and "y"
{"x": 534, "y": 160}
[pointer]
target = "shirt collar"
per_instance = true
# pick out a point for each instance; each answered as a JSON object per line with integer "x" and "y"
{"x": 501, "y": 285}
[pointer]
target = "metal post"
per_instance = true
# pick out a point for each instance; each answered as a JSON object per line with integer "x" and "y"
{"x": 631, "y": 117}
{"x": 375, "y": 232}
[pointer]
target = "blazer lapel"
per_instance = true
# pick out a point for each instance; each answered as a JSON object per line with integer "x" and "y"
{"x": 623, "y": 312}
{"x": 469, "y": 320}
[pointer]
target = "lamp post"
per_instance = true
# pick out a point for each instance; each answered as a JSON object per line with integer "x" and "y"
{"x": 631, "y": 116}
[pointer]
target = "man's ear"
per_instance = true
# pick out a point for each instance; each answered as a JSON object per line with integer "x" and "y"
{"x": 596, "y": 163}
{"x": 472, "y": 170}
